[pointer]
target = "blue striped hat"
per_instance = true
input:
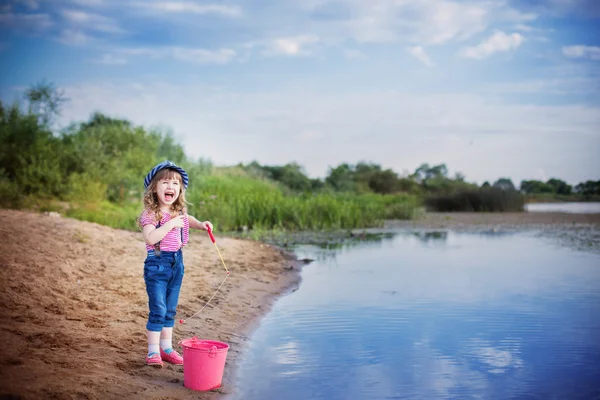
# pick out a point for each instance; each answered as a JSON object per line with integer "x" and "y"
{"x": 169, "y": 165}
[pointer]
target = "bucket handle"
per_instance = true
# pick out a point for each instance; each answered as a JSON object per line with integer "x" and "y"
{"x": 212, "y": 353}
{"x": 194, "y": 339}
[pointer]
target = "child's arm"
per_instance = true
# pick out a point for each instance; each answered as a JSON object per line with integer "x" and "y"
{"x": 152, "y": 234}
{"x": 195, "y": 224}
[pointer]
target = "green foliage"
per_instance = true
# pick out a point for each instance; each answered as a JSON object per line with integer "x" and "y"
{"x": 290, "y": 175}
{"x": 45, "y": 102}
{"x": 9, "y": 192}
{"x": 30, "y": 156}
{"x": 588, "y": 188}
{"x": 477, "y": 200}
{"x": 106, "y": 213}
{"x": 504, "y": 184}
{"x": 553, "y": 185}
{"x": 425, "y": 173}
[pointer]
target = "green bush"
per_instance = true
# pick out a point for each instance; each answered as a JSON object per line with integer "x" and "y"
{"x": 484, "y": 199}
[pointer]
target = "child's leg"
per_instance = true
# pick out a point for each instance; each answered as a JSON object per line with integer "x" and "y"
{"x": 156, "y": 278}
{"x": 166, "y": 340}
{"x": 166, "y": 337}
{"x": 172, "y": 296}
{"x": 153, "y": 342}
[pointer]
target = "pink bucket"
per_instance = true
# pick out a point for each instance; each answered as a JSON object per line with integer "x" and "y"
{"x": 203, "y": 363}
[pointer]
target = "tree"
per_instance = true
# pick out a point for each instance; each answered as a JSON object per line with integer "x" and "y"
{"x": 384, "y": 182}
{"x": 559, "y": 186}
{"x": 45, "y": 101}
{"x": 341, "y": 178}
{"x": 504, "y": 184}
{"x": 426, "y": 172}
{"x": 588, "y": 188}
{"x": 535, "y": 186}
{"x": 460, "y": 177}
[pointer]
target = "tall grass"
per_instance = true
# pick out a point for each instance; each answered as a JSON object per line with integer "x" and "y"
{"x": 235, "y": 202}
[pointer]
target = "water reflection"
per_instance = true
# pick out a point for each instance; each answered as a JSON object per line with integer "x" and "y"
{"x": 433, "y": 315}
{"x": 570, "y": 207}
{"x": 431, "y": 236}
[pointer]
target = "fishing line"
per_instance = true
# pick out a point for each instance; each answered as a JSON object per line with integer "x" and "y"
{"x": 212, "y": 238}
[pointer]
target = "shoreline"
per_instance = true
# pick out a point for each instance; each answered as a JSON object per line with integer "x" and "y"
{"x": 75, "y": 307}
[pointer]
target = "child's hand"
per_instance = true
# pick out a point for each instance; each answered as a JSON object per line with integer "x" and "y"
{"x": 176, "y": 222}
{"x": 207, "y": 225}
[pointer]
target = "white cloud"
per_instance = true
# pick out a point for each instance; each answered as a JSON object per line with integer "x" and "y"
{"x": 498, "y": 42}
{"x": 92, "y": 21}
{"x": 353, "y": 54}
{"x": 581, "y": 51}
{"x": 570, "y": 85}
{"x": 26, "y": 22}
{"x": 444, "y": 21}
{"x": 73, "y": 37}
{"x": 189, "y": 7}
{"x": 111, "y": 59}
{"x": 203, "y": 56}
{"x": 193, "y": 55}
{"x": 88, "y": 3}
{"x": 419, "y": 53}
{"x": 292, "y": 46}
{"x": 423, "y": 22}
{"x": 524, "y": 28}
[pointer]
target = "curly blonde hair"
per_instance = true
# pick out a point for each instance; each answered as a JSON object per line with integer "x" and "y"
{"x": 151, "y": 199}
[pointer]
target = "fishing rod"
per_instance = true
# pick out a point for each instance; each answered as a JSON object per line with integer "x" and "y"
{"x": 212, "y": 238}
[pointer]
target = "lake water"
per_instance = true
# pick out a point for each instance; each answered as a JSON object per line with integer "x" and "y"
{"x": 577, "y": 208}
{"x": 432, "y": 316}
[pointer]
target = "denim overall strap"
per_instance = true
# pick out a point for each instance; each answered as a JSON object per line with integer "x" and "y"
{"x": 157, "y": 244}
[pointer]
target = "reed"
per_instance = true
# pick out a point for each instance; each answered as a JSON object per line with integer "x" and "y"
{"x": 240, "y": 202}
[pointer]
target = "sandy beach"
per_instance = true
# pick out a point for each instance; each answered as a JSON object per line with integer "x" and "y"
{"x": 74, "y": 305}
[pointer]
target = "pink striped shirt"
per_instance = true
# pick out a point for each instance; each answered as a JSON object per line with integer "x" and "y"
{"x": 172, "y": 240}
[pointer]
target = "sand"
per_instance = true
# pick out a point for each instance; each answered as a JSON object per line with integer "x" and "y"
{"x": 74, "y": 307}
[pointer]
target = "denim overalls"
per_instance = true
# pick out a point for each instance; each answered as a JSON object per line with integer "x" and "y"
{"x": 163, "y": 274}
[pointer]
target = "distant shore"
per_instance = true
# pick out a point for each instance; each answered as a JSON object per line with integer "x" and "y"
{"x": 579, "y": 231}
{"x": 468, "y": 220}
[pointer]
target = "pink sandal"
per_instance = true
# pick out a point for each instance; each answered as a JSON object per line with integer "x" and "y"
{"x": 154, "y": 360}
{"x": 173, "y": 358}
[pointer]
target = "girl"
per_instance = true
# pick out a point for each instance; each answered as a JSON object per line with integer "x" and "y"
{"x": 165, "y": 225}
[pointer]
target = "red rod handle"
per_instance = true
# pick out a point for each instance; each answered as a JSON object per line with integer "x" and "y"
{"x": 212, "y": 237}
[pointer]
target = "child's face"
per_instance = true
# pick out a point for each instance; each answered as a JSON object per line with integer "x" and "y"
{"x": 167, "y": 190}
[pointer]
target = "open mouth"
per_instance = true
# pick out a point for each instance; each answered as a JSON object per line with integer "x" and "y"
{"x": 169, "y": 196}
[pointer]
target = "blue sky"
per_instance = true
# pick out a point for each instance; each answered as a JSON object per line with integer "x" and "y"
{"x": 491, "y": 88}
